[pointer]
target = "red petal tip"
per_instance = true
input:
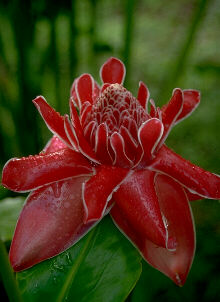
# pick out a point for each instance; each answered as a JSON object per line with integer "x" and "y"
{"x": 113, "y": 71}
{"x": 143, "y": 95}
{"x": 84, "y": 88}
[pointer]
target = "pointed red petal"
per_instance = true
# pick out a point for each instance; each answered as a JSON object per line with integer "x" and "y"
{"x": 138, "y": 201}
{"x": 153, "y": 109}
{"x": 88, "y": 130}
{"x": 143, "y": 95}
{"x": 69, "y": 129}
{"x": 191, "y": 196}
{"x": 101, "y": 144}
{"x": 98, "y": 191}
{"x": 149, "y": 135}
{"x": 53, "y": 145}
{"x": 74, "y": 116}
{"x": 78, "y": 141}
{"x": 28, "y": 173}
{"x": 196, "y": 179}
{"x": 96, "y": 92}
{"x": 84, "y": 89}
{"x": 112, "y": 71}
{"x": 73, "y": 93}
{"x": 104, "y": 86}
{"x": 50, "y": 222}
{"x": 130, "y": 144}
{"x": 83, "y": 146}
{"x": 118, "y": 146}
{"x": 191, "y": 101}
{"x": 85, "y": 109}
{"x": 53, "y": 119}
{"x": 120, "y": 219}
{"x": 173, "y": 108}
{"x": 175, "y": 208}
{"x": 171, "y": 112}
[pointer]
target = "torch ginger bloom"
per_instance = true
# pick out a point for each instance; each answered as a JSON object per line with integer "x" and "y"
{"x": 110, "y": 159}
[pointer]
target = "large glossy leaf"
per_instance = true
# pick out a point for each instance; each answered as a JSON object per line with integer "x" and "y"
{"x": 103, "y": 267}
{"x": 9, "y": 211}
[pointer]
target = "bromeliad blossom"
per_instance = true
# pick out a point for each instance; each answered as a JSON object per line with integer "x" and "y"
{"x": 111, "y": 158}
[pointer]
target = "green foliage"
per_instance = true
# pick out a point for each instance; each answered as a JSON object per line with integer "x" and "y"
{"x": 101, "y": 267}
{"x": 9, "y": 211}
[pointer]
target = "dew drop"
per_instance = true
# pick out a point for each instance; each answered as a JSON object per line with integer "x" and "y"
{"x": 178, "y": 279}
{"x": 66, "y": 204}
{"x": 69, "y": 258}
{"x": 56, "y": 187}
{"x": 59, "y": 267}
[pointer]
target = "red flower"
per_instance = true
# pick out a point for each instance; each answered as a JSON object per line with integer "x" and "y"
{"x": 110, "y": 158}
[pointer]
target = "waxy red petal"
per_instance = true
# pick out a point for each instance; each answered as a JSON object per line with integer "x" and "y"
{"x": 149, "y": 135}
{"x": 104, "y": 86}
{"x": 50, "y": 222}
{"x": 196, "y": 179}
{"x": 143, "y": 95}
{"x": 138, "y": 202}
{"x": 101, "y": 144}
{"x": 175, "y": 208}
{"x": 73, "y": 93}
{"x": 78, "y": 141}
{"x": 69, "y": 129}
{"x": 171, "y": 112}
{"x": 96, "y": 92}
{"x": 53, "y": 145}
{"x": 88, "y": 130}
{"x": 74, "y": 115}
{"x": 118, "y": 146}
{"x": 85, "y": 148}
{"x": 191, "y": 100}
{"x": 153, "y": 109}
{"x": 173, "y": 108}
{"x": 84, "y": 89}
{"x": 98, "y": 191}
{"x": 112, "y": 71}
{"x": 120, "y": 219}
{"x": 191, "y": 196}
{"x": 130, "y": 144}
{"x": 28, "y": 173}
{"x": 85, "y": 109}
{"x": 53, "y": 120}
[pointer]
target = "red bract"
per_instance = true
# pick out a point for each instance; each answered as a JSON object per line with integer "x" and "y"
{"x": 111, "y": 158}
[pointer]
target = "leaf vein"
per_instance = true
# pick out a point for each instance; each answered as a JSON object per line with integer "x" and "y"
{"x": 73, "y": 271}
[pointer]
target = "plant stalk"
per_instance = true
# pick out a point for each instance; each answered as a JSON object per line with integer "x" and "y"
{"x": 129, "y": 20}
{"x": 7, "y": 276}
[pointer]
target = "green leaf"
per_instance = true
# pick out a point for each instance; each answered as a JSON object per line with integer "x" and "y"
{"x": 9, "y": 211}
{"x": 101, "y": 267}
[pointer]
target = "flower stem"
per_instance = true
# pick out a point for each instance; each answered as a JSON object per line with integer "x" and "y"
{"x": 7, "y": 276}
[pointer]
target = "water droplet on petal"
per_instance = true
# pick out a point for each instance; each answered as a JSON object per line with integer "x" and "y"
{"x": 179, "y": 282}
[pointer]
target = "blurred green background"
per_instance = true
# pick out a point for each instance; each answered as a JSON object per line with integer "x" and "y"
{"x": 44, "y": 45}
